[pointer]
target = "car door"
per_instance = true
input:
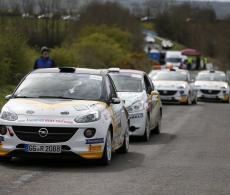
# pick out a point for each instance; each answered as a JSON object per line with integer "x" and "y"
{"x": 119, "y": 117}
{"x": 153, "y": 102}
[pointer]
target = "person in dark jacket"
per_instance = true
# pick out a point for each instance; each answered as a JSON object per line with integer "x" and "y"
{"x": 44, "y": 61}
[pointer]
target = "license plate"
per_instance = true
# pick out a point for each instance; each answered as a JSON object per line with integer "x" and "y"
{"x": 42, "y": 148}
{"x": 211, "y": 96}
{"x": 166, "y": 98}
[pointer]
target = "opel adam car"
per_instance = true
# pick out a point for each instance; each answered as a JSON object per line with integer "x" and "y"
{"x": 64, "y": 112}
{"x": 212, "y": 85}
{"x": 175, "y": 86}
{"x": 142, "y": 102}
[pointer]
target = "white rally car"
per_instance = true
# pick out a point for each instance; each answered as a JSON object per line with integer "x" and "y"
{"x": 175, "y": 86}
{"x": 142, "y": 102}
{"x": 212, "y": 85}
{"x": 64, "y": 112}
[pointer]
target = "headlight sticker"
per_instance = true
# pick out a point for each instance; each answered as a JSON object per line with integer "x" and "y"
{"x": 95, "y": 141}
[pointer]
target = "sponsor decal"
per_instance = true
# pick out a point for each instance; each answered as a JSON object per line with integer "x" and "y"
{"x": 29, "y": 112}
{"x": 134, "y": 116}
{"x": 95, "y": 141}
{"x": 55, "y": 121}
{"x": 95, "y": 148}
{"x": 65, "y": 113}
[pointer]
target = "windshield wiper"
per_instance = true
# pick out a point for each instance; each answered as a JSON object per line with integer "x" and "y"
{"x": 56, "y": 97}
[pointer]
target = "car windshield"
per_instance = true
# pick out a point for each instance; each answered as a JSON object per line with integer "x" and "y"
{"x": 174, "y": 60}
{"x": 61, "y": 85}
{"x": 153, "y": 73}
{"x": 128, "y": 82}
{"x": 171, "y": 76}
{"x": 211, "y": 77}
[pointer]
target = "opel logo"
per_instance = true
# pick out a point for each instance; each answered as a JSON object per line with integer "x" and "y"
{"x": 43, "y": 132}
{"x": 210, "y": 91}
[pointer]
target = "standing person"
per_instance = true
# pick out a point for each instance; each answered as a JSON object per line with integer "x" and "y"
{"x": 44, "y": 61}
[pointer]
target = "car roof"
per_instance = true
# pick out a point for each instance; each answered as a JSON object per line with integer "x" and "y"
{"x": 70, "y": 70}
{"x": 131, "y": 71}
{"x": 211, "y": 72}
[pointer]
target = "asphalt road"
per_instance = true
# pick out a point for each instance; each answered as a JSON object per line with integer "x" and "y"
{"x": 191, "y": 156}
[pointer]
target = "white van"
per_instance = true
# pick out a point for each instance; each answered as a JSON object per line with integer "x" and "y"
{"x": 174, "y": 58}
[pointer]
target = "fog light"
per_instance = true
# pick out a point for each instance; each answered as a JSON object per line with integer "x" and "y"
{"x": 3, "y": 130}
{"x": 224, "y": 92}
{"x": 181, "y": 92}
{"x": 89, "y": 133}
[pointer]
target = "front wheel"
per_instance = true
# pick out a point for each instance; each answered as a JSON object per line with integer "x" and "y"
{"x": 147, "y": 131}
{"x": 194, "y": 101}
{"x": 157, "y": 130}
{"x": 107, "y": 153}
{"x": 125, "y": 146}
{"x": 5, "y": 159}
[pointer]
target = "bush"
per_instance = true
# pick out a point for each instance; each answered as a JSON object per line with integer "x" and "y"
{"x": 63, "y": 57}
{"x": 123, "y": 38}
{"x": 97, "y": 51}
{"x": 16, "y": 58}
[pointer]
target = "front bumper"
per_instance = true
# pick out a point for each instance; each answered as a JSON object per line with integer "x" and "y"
{"x": 217, "y": 95}
{"x": 78, "y": 144}
{"x": 137, "y": 123}
{"x": 173, "y": 96}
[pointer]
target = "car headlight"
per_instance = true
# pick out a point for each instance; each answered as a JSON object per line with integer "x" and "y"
{"x": 181, "y": 87}
{"x": 137, "y": 106}
{"x": 225, "y": 90}
{"x": 9, "y": 116}
{"x": 91, "y": 117}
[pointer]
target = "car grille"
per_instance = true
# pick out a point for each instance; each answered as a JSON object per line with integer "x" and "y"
{"x": 211, "y": 92}
{"x": 167, "y": 92}
{"x": 55, "y": 134}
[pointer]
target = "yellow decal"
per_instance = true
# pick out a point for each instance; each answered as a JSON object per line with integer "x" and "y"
{"x": 92, "y": 155}
{"x": 97, "y": 148}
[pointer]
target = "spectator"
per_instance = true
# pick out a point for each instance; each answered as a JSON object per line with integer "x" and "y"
{"x": 44, "y": 61}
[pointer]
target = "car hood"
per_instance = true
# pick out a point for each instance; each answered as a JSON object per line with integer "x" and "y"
{"x": 52, "y": 107}
{"x": 130, "y": 98}
{"x": 211, "y": 84}
{"x": 170, "y": 84}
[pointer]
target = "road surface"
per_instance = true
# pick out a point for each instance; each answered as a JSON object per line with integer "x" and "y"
{"x": 191, "y": 156}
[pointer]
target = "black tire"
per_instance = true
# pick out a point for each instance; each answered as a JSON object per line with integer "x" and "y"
{"x": 5, "y": 159}
{"x": 194, "y": 101}
{"x": 146, "y": 136}
{"x": 106, "y": 159}
{"x": 157, "y": 130}
{"x": 125, "y": 146}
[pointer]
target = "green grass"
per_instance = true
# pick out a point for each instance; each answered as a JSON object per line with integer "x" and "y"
{"x": 5, "y": 90}
{"x": 148, "y": 26}
{"x": 178, "y": 46}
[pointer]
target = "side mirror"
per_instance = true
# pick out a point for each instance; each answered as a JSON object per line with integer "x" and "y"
{"x": 115, "y": 101}
{"x": 8, "y": 97}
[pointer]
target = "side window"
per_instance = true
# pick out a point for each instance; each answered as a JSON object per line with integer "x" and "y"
{"x": 148, "y": 85}
{"x": 110, "y": 89}
{"x": 152, "y": 84}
